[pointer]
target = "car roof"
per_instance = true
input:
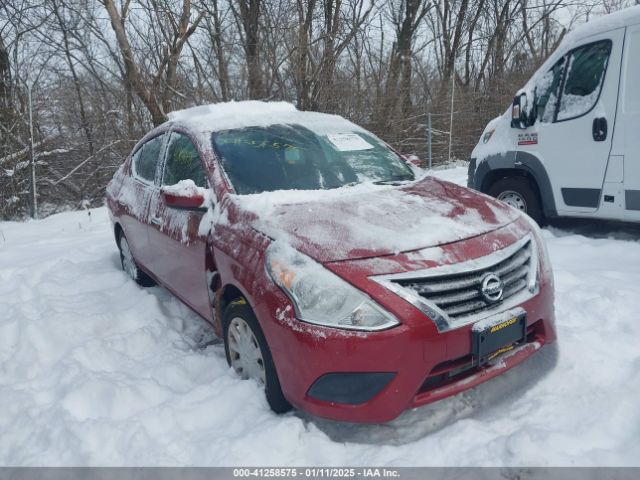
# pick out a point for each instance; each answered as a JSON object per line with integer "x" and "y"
{"x": 253, "y": 113}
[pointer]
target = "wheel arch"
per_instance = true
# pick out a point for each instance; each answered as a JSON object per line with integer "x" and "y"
{"x": 494, "y": 175}
{"x": 226, "y": 294}
{"x": 517, "y": 164}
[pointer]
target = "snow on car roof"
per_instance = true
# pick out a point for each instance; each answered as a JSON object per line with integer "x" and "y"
{"x": 255, "y": 113}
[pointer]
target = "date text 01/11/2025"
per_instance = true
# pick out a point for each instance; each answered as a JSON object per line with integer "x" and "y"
{"x": 316, "y": 472}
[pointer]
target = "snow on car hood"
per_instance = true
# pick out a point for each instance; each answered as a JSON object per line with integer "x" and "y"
{"x": 370, "y": 220}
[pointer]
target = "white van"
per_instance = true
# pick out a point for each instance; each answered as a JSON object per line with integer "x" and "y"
{"x": 570, "y": 144}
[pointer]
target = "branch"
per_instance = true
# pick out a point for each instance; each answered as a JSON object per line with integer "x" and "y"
{"x": 86, "y": 160}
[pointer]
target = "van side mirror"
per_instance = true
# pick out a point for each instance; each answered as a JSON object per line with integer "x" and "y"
{"x": 520, "y": 116}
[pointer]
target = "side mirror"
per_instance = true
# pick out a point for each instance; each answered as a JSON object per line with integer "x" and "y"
{"x": 185, "y": 196}
{"x": 520, "y": 116}
{"x": 413, "y": 160}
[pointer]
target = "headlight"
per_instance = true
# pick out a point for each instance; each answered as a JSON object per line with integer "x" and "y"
{"x": 542, "y": 252}
{"x": 319, "y": 296}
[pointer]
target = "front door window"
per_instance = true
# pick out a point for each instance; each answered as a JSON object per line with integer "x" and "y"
{"x": 183, "y": 162}
{"x": 570, "y": 89}
{"x": 585, "y": 74}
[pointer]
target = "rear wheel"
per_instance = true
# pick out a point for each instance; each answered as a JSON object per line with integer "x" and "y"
{"x": 130, "y": 266}
{"x": 520, "y": 194}
{"x": 248, "y": 353}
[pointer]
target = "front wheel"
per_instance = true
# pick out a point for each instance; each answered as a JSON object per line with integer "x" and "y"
{"x": 248, "y": 353}
{"x": 520, "y": 194}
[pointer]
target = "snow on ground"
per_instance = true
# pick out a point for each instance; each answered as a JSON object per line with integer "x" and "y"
{"x": 95, "y": 370}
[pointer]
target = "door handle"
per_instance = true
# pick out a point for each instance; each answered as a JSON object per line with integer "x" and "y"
{"x": 600, "y": 128}
{"x": 157, "y": 221}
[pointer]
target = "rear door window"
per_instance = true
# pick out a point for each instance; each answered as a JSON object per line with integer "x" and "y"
{"x": 145, "y": 160}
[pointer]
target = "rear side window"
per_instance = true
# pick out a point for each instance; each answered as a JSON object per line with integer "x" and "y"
{"x": 584, "y": 78}
{"x": 183, "y": 162}
{"x": 146, "y": 159}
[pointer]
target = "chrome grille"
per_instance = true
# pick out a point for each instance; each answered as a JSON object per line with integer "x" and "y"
{"x": 461, "y": 294}
{"x": 451, "y": 295}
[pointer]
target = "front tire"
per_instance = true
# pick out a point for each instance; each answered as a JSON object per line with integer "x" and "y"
{"x": 248, "y": 353}
{"x": 520, "y": 194}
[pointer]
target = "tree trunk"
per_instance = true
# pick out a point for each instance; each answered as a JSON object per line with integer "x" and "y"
{"x": 84, "y": 123}
{"x": 250, "y": 18}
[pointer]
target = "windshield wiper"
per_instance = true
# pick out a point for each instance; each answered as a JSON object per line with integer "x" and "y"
{"x": 394, "y": 180}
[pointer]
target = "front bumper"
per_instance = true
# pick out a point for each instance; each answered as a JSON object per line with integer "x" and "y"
{"x": 412, "y": 366}
{"x": 372, "y": 377}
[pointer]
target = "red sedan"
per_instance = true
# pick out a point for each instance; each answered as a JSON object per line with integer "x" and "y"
{"x": 340, "y": 278}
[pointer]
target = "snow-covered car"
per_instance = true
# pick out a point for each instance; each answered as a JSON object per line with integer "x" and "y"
{"x": 348, "y": 283}
{"x": 569, "y": 144}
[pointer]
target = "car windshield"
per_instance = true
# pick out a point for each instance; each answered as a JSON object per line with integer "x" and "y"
{"x": 292, "y": 157}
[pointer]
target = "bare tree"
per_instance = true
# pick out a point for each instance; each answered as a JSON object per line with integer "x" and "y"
{"x": 248, "y": 15}
{"x": 100, "y": 81}
{"x": 214, "y": 27}
{"x": 154, "y": 89}
{"x": 325, "y": 30}
{"x": 406, "y": 16}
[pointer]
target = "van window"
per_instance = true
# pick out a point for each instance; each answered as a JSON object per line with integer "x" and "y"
{"x": 183, "y": 162}
{"x": 146, "y": 158}
{"x": 585, "y": 74}
{"x": 547, "y": 92}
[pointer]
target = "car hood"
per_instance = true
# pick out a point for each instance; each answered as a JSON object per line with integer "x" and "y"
{"x": 368, "y": 220}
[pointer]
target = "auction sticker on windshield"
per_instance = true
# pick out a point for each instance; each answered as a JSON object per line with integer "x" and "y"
{"x": 348, "y": 142}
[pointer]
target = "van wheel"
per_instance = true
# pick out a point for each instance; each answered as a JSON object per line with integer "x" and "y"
{"x": 519, "y": 193}
{"x": 248, "y": 353}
